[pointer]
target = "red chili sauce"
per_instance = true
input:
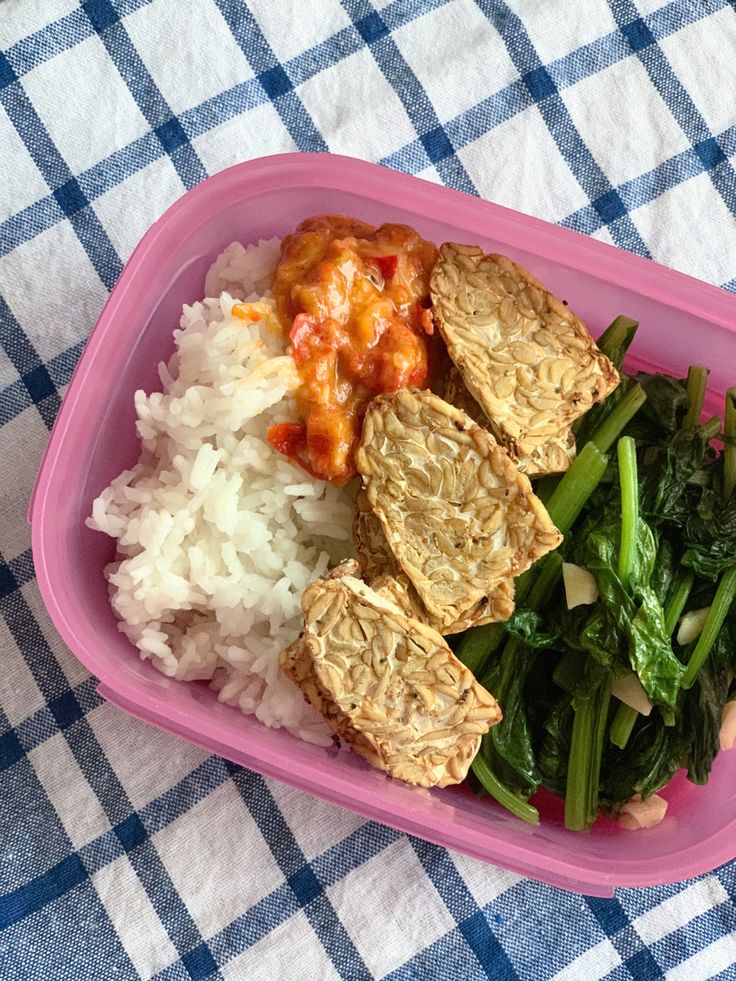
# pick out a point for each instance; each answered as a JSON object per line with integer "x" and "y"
{"x": 355, "y": 301}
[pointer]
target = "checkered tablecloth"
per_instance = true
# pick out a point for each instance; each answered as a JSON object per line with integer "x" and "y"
{"x": 125, "y": 852}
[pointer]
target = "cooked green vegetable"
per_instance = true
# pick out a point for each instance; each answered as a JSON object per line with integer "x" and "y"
{"x": 615, "y": 339}
{"x": 629, "y": 508}
{"x": 697, "y": 382}
{"x": 729, "y": 449}
{"x": 496, "y": 789}
{"x": 655, "y": 524}
{"x": 722, "y": 603}
{"x": 677, "y": 598}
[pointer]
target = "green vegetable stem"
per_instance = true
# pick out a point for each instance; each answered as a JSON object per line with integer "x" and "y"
{"x": 722, "y": 601}
{"x": 576, "y": 486}
{"x": 729, "y": 449}
{"x": 622, "y": 725}
{"x": 502, "y": 794}
{"x": 629, "y": 508}
{"x": 615, "y": 340}
{"x": 697, "y": 382}
{"x": 564, "y": 506}
{"x": 614, "y": 424}
{"x": 584, "y": 767}
{"x": 625, "y": 717}
{"x": 478, "y": 644}
{"x": 677, "y": 598}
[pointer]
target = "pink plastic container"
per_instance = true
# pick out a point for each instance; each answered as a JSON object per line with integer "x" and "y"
{"x": 683, "y": 321}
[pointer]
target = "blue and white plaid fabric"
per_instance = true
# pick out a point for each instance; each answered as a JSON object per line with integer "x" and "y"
{"x": 125, "y": 852}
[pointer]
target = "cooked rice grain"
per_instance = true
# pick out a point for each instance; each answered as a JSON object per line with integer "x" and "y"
{"x": 218, "y": 533}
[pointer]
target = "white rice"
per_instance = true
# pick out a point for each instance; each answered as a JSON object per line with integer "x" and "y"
{"x": 217, "y": 532}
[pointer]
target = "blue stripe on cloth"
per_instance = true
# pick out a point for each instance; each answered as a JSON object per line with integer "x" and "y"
{"x": 363, "y": 844}
{"x": 8, "y": 582}
{"x": 472, "y": 923}
{"x": 125, "y": 7}
{"x": 726, "y": 875}
{"x": 431, "y": 962}
{"x": 29, "y": 637}
{"x": 14, "y": 399}
{"x": 643, "y": 43}
{"x": 255, "y": 924}
{"x": 11, "y": 749}
{"x": 727, "y": 974}
{"x": 643, "y": 189}
{"x": 677, "y": 946}
{"x": 433, "y": 137}
{"x": 307, "y": 889}
{"x": 401, "y": 12}
{"x": 106, "y": 21}
{"x": 615, "y": 924}
{"x": 34, "y": 895}
{"x": 273, "y": 78}
{"x": 64, "y": 187}
{"x": 121, "y": 165}
{"x": 61, "y": 366}
{"x": 157, "y": 814}
{"x": 327, "y": 53}
{"x": 16, "y": 573}
{"x": 328, "y": 868}
{"x": 226, "y": 105}
{"x": 50, "y": 41}
{"x": 26, "y": 815}
{"x": 193, "y": 788}
{"x": 66, "y": 925}
{"x": 461, "y": 130}
{"x": 35, "y": 378}
{"x": 41, "y": 724}
{"x": 134, "y": 839}
{"x": 554, "y": 112}
{"x": 30, "y": 222}
{"x": 99, "y": 774}
{"x": 566, "y": 71}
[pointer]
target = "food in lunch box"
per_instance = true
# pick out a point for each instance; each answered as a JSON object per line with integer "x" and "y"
{"x": 354, "y": 299}
{"x": 455, "y": 510}
{"x": 335, "y": 478}
{"x": 388, "y": 684}
{"x": 553, "y": 456}
{"x": 379, "y": 565}
{"x": 527, "y": 360}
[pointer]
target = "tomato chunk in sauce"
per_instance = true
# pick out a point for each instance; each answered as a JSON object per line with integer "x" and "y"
{"x": 354, "y": 300}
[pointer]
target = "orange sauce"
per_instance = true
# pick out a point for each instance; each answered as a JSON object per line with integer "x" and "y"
{"x": 355, "y": 301}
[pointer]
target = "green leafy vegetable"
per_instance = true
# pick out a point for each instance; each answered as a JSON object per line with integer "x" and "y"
{"x": 709, "y": 533}
{"x": 526, "y": 627}
{"x": 616, "y": 339}
{"x": 666, "y": 404}
{"x": 720, "y": 607}
{"x": 729, "y": 449}
{"x": 655, "y": 524}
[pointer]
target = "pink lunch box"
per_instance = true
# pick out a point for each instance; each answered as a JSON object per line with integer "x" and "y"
{"x": 682, "y": 321}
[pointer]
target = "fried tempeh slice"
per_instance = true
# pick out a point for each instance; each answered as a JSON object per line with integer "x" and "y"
{"x": 296, "y": 663}
{"x": 455, "y": 510}
{"x": 527, "y": 360}
{"x": 553, "y": 456}
{"x": 380, "y": 569}
{"x": 388, "y": 684}
{"x": 375, "y": 557}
